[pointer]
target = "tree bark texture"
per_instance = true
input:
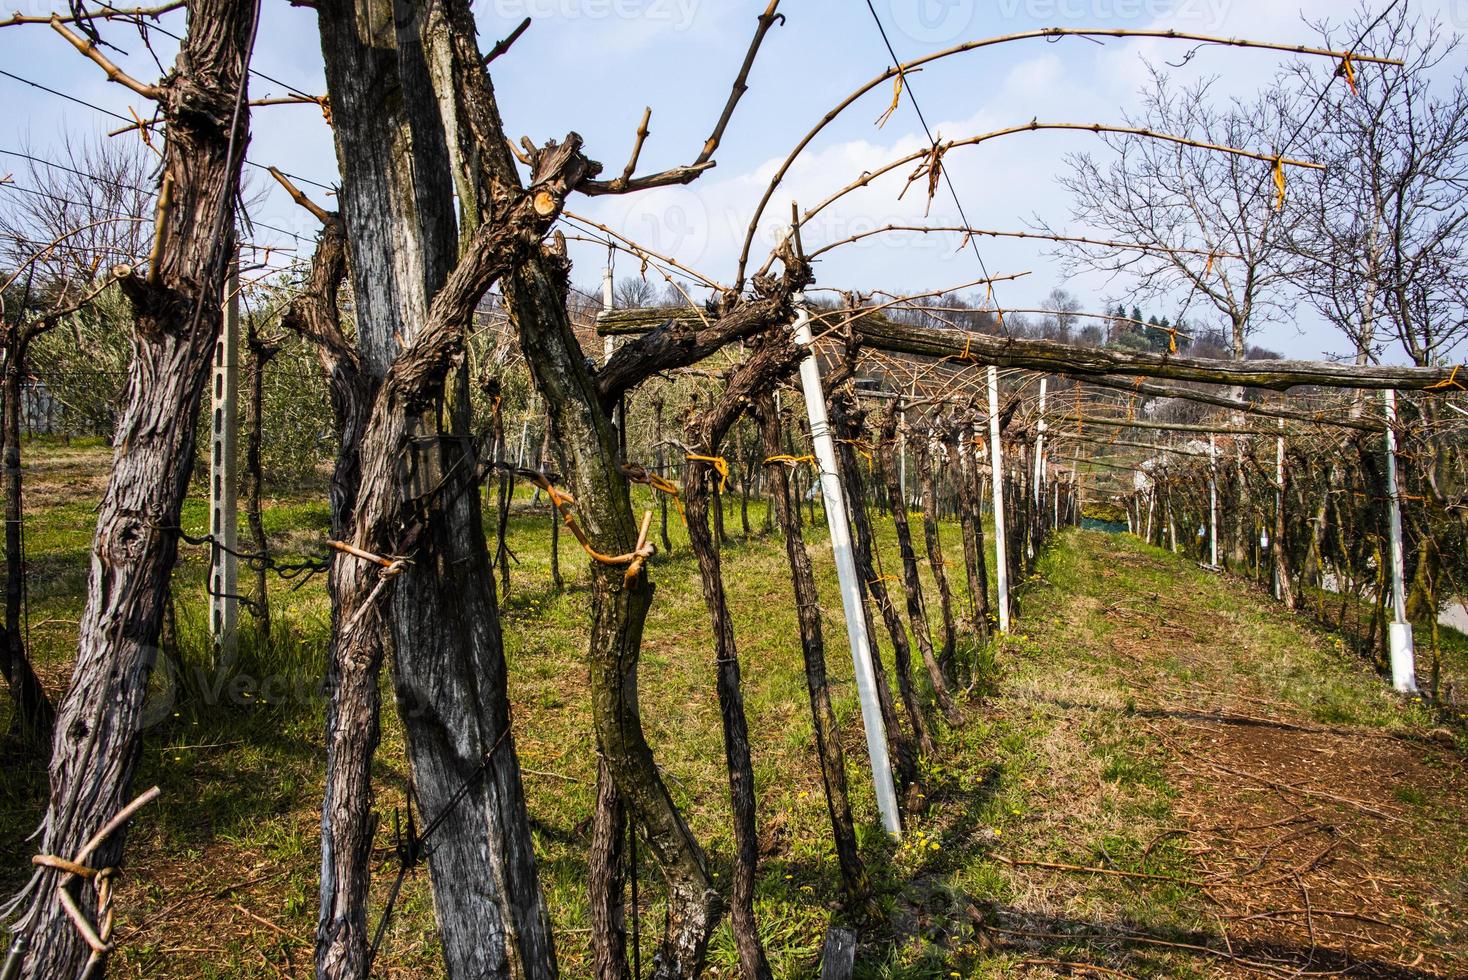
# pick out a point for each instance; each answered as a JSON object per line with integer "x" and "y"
{"x": 846, "y": 421}
{"x": 916, "y": 612}
{"x": 177, "y": 316}
{"x": 34, "y": 713}
{"x": 706, "y": 431}
{"x": 971, "y": 520}
{"x": 607, "y": 879}
{"x": 419, "y": 495}
{"x": 813, "y": 646}
{"x": 926, "y": 464}
{"x": 258, "y": 355}
{"x": 582, "y": 424}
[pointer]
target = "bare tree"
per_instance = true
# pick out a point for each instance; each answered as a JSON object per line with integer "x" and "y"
{"x": 1060, "y": 323}
{"x": 1382, "y": 233}
{"x": 73, "y": 217}
{"x": 635, "y": 291}
{"x": 1207, "y": 225}
{"x": 76, "y": 216}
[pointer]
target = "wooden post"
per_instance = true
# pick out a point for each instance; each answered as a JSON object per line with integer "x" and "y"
{"x": 1040, "y": 446}
{"x": 1278, "y": 508}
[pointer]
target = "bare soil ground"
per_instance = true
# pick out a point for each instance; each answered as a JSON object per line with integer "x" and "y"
{"x": 1310, "y": 846}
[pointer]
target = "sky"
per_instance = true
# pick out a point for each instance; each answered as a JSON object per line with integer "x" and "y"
{"x": 591, "y": 66}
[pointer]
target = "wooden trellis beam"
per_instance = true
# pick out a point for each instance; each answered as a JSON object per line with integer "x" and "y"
{"x": 1072, "y": 360}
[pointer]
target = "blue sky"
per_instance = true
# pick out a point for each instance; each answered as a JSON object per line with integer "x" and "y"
{"x": 592, "y": 65}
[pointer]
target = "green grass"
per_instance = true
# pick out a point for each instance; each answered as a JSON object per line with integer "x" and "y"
{"x": 1051, "y": 764}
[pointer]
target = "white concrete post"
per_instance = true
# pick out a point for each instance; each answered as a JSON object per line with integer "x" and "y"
{"x": 1171, "y": 527}
{"x": 224, "y": 608}
{"x": 1278, "y": 505}
{"x": 1040, "y": 446}
{"x": 996, "y": 468}
{"x": 852, "y": 596}
{"x": 1399, "y": 632}
{"x": 1212, "y": 501}
{"x": 609, "y": 344}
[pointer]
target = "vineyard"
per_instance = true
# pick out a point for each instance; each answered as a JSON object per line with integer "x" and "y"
{"x": 436, "y": 569}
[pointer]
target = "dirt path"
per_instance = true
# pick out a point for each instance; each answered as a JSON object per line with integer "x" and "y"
{"x": 1308, "y": 823}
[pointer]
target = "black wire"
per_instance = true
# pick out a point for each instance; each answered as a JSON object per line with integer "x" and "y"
{"x": 953, "y": 192}
{"x": 133, "y": 122}
{"x": 293, "y": 90}
{"x": 412, "y": 851}
{"x": 63, "y": 95}
{"x": 105, "y": 210}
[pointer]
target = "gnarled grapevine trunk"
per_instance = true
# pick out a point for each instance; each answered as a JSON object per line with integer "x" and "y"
{"x": 813, "y": 646}
{"x": 258, "y": 355}
{"x": 393, "y": 80}
{"x": 846, "y": 422}
{"x": 705, "y": 433}
{"x": 971, "y": 520}
{"x": 934, "y": 544}
{"x": 177, "y": 316}
{"x": 582, "y": 423}
{"x": 34, "y": 713}
{"x": 580, "y": 405}
{"x": 606, "y": 870}
{"x": 916, "y": 611}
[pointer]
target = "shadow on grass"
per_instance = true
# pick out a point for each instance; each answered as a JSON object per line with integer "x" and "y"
{"x": 1114, "y": 945}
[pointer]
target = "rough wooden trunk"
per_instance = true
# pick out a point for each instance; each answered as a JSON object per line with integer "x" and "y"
{"x": 346, "y": 819}
{"x": 736, "y": 731}
{"x": 405, "y": 87}
{"x": 971, "y": 521}
{"x": 934, "y": 544}
{"x": 916, "y": 610}
{"x": 824, "y": 723}
{"x": 846, "y": 423}
{"x": 838, "y": 955}
{"x": 258, "y": 354}
{"x": 34, "y": 713}
{"x": 606, "y": 871}
{"x": 177, "y": 316}
{"x": 581, "y": 421}
{"x": 705, "y": 433}
{"x": 1281, "y": 545}
{"x": 660, "y": 461}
